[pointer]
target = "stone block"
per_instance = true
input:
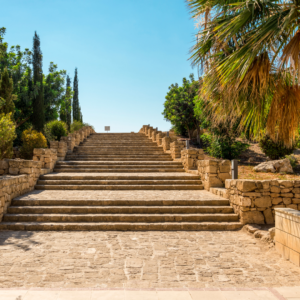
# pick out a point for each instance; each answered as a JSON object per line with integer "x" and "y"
{"x": 269, "y": 219}
{"x": 246, "y": 185}
{"x": 13, "y": 171}
{"x": 26, "y": 171}
{"x": 252, "y": 217}
{"x": 263, "y": 202}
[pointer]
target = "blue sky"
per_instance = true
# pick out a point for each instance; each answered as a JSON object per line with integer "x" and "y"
{"x": 128, "y": 52}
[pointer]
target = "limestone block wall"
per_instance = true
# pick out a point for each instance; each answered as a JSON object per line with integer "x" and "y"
{"x": 155, "y": 134}
{"x": 189, "y": 158}
{"x": 4, "y": 166}
{"x": 159, "y": 138}
{"x": 61, "y": 147}
{"x": 22, "y": 178}
{"x": 176, "y": 148}
{"x": 255, "y": 200}
{"x": 287, "y": 234}
{"x": 166, "y": 141}
{"x": 213, "y": 173}
{"x": 47, "y": 157}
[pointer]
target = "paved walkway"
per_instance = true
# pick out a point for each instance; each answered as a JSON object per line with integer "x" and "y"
{"x": 175, "y": 294}
{"x": 141, "y": 260}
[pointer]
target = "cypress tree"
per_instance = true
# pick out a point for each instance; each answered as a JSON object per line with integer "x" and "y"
{"x": 38, "y": 115}
{"x": 6, "y": 94}
{"x": 68, "y": 102}
{"x": 76, "y": 116}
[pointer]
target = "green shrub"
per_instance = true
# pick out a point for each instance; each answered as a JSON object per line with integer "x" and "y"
{"x": 7, "y": 135}
{"x": 206, "y": 139}
{"x": 31, "y": 139}
{"x": 293, "y": 160}
{"x": 222, "y": 146}
{"x": 76, "y": 125}
{"x": 274, "y": 150}
{"x": 54, "y": 130}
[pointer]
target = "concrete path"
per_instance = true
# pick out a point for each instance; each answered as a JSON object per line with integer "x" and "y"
{"x": 284, "y": 293}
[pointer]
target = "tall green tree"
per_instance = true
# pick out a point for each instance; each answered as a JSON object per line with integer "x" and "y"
{"x": 76, "y": 107}
{"x": 179, "y": 106}
{"x": 54, "y": 92}
{"x": 68, "y": 100}
{"x": 7, "y": 97}
{"x": 38, "y": 114}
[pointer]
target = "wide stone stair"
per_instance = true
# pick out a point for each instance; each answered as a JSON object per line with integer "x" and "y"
{"x": 119, "y": 182}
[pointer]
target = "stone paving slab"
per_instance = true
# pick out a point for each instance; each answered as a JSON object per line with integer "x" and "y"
{"x": 121, "y": 195}
{"x": 141, "y": 260}
{"x": 287, "y": 293}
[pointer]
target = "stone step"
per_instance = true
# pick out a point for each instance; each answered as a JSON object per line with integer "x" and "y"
{"x": 134, "y": 218}
{"x": 120, "y": 187}
{"x": 117, "y": 170}
{"x": 118, "y": 182}
{"x": 182, "y": 176}
{"x": 172, "y": 226}
{"x": 121, "y": 202}
{"x": 80, "y": 158}
{"x": 119, "y": 209}
{"x": 135, "y": 163}
{"x": 117, "y": 166}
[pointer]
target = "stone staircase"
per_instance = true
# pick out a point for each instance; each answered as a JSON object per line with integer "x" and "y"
{"x": 122, "y": 182}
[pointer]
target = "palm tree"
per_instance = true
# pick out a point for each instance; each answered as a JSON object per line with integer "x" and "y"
{"x": 249, "y": 53}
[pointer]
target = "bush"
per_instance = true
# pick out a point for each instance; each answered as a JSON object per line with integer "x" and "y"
{"x": 7, "y": 135}
{"x": 54, "y": 130}
{"x": 31, "y": 139}
{"x": 274, "y": 150}
{"x": 76, "y": 125}
{"x": 222, "y": 146}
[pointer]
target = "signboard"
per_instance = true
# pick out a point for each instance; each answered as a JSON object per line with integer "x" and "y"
{"x": 107, "y": 128}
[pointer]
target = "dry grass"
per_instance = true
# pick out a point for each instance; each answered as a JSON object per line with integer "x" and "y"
{"x": 247, "y": 172}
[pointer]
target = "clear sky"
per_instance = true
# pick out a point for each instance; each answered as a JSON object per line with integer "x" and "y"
{"x": 128, "y": 52}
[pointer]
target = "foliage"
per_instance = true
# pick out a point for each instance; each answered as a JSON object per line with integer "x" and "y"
{"x": 7, "y": 135}
{"x": 274, "y": 150}
{"x": 223, "y": 146}
{"x": 77, "y": 116}
{"x": 222, "y": 141}
{"x": 54, "y": 130}
{"x": 76, "y": 125}
{"x": 6, "y": 93}
{"x": 38, "y": 114}
{"x": 293, "y": 160}
{"x": 249, "y": 53}
{"x": 31, "y": 139}
{"x": 54, "y": 92}
{"x": 179, "y": 106}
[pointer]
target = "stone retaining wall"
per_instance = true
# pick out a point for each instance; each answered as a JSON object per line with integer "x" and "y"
{"x": 255, "y": 200}
{"x": 213, "y": 173}
{"x": 287, "y": 234}
{"x": 176, "y": 148}
{"x": 26, "y": 174}
{"x": 47, "y": 157}
{"x": 189, "y": 158}
{"x": 22, "y": 174}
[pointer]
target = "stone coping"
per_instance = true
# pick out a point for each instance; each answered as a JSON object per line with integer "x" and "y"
{"x": 289, "y": 213}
